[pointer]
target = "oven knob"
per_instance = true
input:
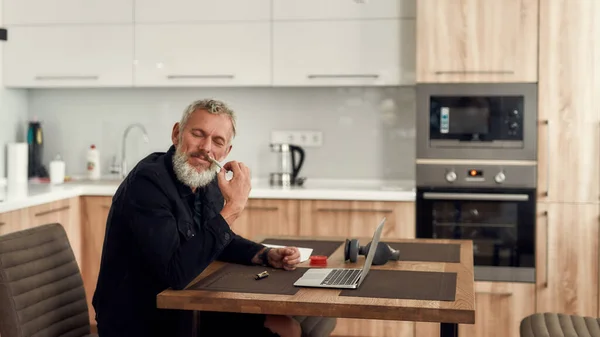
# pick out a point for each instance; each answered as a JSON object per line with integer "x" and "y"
{"x": 500, "y": 177}
{"x": 451, "y": 176}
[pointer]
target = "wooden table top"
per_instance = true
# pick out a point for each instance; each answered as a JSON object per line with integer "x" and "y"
{"x": 326, "y": 302}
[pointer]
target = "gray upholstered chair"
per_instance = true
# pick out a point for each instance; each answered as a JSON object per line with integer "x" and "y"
{"x": 41, "y": 289}
{"x": 559, "y": 325}
{"x": 313, "y": 326}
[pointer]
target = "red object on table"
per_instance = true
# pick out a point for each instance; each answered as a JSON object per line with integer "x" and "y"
{"x": 318, "y": 260}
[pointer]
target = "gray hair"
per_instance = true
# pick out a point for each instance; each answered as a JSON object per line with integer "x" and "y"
{"x": 212, "y": 106}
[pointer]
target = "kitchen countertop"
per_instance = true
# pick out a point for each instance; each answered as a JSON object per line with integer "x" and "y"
{"x": 32, "y": 194}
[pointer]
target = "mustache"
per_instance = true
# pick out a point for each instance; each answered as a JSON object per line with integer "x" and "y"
{"x": 198, "y": 155}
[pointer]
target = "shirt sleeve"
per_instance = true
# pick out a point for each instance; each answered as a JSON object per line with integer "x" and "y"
{"x": 240, "y": 250}
{"x": 173, "y": 258}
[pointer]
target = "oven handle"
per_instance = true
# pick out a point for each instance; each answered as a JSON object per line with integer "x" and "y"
{"x": 476, "y": 196}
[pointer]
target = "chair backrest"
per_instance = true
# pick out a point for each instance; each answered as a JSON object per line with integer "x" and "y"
{"x": 41, "y": 289}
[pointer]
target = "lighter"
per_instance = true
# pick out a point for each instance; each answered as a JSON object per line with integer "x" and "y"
{"x": 261, "y": 275}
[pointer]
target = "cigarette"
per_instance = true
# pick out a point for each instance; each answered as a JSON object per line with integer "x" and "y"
{"x": 215, "y": 162}
{"x": 261, "y": 275}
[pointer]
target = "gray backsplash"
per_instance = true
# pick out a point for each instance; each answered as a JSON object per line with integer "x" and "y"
{"x": 368, "y": 133}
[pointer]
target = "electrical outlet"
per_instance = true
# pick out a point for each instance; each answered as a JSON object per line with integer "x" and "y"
{"x": 301, "y": 137}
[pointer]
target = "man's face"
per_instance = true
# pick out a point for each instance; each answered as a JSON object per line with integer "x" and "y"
{"x": 205, "y": 134}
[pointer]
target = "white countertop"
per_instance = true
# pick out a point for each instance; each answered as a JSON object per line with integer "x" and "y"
{"x": 15, "y": 197}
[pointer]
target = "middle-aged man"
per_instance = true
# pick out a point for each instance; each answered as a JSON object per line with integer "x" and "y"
{"x": 169, "y": 219}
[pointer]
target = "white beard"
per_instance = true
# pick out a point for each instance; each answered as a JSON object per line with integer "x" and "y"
{"x": 188, "y": 174}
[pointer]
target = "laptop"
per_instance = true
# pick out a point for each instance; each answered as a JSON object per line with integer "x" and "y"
{"x": 341, "y": 278}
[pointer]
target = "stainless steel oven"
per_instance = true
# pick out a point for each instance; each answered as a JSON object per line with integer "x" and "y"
{"x": 477, "y": 121}
{"x": 492, "y": 205}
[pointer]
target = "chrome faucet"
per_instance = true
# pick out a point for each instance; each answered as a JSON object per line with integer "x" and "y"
{"x": 123, "y": 156}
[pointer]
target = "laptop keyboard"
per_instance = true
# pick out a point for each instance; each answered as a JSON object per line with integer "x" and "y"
{"x": 342, "y": 277}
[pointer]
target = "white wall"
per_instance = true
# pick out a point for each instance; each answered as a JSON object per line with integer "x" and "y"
{"x": 368, "y": 133}
{"x": 13, "y": 112}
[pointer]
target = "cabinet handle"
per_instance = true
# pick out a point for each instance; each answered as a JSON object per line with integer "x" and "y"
{"x": 547, "y": 214}
{"x": 105, "y": 206}
{"x": 354, "y": 210}
{"x": 2, "y": 223}
{"x": 474, "y": 72}
{"x": 262, "y": 208}
{"x": 313, "y": 76}
{"x": 66, "y": 78}
{"x": 505, "y": 294}
{"x": 547, "y": 194}
{"x": 52, "y": 211}
{"x": 191, "y": 77}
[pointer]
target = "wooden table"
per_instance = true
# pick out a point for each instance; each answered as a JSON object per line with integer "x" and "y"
{"x": 326, "y": 302}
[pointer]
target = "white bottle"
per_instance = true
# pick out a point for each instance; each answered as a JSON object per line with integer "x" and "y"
{"x": 93, "y": 163}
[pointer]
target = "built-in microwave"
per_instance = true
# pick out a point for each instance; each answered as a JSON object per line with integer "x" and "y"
{"x": 495, "y": 121}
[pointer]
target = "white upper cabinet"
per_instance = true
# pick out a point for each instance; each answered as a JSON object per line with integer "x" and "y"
{"x": 32, "y": 12}
{"x": 212, "y": 54}
{"x": 343, "y": 9}
{"x": 67, "y": 56}
{"x": 343, "y": 53}
{"x": 185, "y": 11}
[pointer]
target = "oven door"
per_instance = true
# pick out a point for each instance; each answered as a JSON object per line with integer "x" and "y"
{"x": 501, "y": 224}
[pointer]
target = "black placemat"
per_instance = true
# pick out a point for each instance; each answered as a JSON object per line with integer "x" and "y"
{"x": 240, "y": 278}
{"x": 319, "y": 247}
{"x": 405, "y": 284}
{"x": 427, "y": 252}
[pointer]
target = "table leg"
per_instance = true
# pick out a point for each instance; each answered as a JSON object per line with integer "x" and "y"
{"x": 448, "y": 330}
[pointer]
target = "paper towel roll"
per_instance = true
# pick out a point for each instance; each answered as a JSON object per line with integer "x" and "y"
{"x": 17, "y": 162}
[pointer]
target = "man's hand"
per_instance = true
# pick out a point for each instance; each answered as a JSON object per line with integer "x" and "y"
{"x": 284, "y": 258}
{"x": 235, "y": 191}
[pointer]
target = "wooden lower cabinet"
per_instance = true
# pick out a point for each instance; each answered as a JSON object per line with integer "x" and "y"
{"x": 499, "y": 309}
{"x": 65, "y": 212}
{"x": 94, "y": 213}
{"x": 265, "y": 217}
{"x": 567, "y": 258}
{"x": 13, "y": 221}
{"x": 356, "y": 218}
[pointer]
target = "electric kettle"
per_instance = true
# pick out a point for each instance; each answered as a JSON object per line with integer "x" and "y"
{"x": 289, "y": 166}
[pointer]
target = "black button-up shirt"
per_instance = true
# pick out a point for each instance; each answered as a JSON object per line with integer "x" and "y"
{"x": 159, "y": 235}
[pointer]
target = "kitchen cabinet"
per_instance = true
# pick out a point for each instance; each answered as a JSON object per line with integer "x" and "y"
{"x": 342, "y": 9}
{"x": 13, "y": 221}
{"x": 50, "y": 12}
{"x": 268, "y": 217}
{"x": 567, "y": 258}
{"x": 69, "y": 56}
{"x": 343, "y": 53}
{"x": 215, "y": 54}
{"x": 500, "y": 307}
{"x": 352, "y": 219}
{"x": 569, "y": 82}
{"x": 477, "y": 41}
{"x": 357, "y": 218}
{"x": 188, "y": 11}
{"x": 94, "y": 213}
{"x": 65, "y": 212}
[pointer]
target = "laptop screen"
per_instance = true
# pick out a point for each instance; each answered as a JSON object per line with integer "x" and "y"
{"x": 372, "y": 250}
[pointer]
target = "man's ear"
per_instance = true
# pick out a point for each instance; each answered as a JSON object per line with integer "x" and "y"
{"x": 175, "y": 134}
